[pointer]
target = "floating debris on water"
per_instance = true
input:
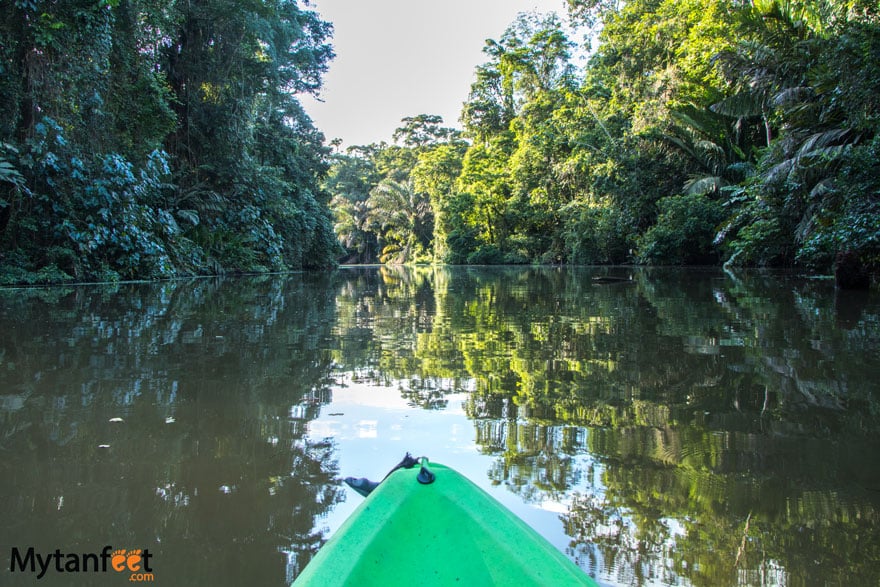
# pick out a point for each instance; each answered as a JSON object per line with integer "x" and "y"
{"x": 170, "y": 420}
{"x": 117, "y": 420}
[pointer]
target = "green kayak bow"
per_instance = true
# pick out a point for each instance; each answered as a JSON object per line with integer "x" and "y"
{"x": 447, "y": 531}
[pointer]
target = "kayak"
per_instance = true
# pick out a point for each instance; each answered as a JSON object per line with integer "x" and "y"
{"x": 438, "y": 529}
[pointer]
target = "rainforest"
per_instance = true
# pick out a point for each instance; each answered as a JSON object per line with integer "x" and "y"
{"x": 147, "y": 139}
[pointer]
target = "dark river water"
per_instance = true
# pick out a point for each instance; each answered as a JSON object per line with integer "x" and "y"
{"x": 681, "y": 427}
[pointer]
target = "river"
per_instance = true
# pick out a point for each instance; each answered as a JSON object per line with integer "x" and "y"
{"x": 664, "y": 427}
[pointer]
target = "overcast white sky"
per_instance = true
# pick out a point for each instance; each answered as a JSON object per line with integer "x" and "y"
{"x": 397, "y": 58}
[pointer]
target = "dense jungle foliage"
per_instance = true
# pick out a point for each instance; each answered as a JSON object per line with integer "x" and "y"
{"x": 699, "y": 132}
{"x": 153, "y": 138}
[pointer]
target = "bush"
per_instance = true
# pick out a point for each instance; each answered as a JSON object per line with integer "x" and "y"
{"x": 597, "y": 234}
{"x": 684, "y": 232}
{"x": 492, "y": 255}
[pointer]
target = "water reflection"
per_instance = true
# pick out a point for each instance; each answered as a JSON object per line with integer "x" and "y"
{"x": 688, "y": 427}
{"x": 699, "y": 427}
{"x": 170, "y": 417}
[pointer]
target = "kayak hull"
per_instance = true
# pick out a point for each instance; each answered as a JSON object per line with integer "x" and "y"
{"x": 445, "y": 533}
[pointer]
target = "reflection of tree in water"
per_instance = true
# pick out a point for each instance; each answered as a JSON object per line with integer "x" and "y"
{"x": 381, "y": 315}
{"x": 707, "y": 528}
{"x": 672, "y": 410}
{"x": 535, "y": 461}
{"x": 210, "y": 468}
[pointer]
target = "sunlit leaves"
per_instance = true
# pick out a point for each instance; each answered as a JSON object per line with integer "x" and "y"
{"x": 403, "y": 218}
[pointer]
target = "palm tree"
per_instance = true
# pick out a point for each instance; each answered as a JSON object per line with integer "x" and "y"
{"x": 352, "y": 228}
{"x": 403, "y": 216}
{"x": 796, "y": 76}
{"x": 719, "y": 153}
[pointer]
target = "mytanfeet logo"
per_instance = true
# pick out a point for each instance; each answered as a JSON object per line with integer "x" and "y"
{"x": 134, "y": 561}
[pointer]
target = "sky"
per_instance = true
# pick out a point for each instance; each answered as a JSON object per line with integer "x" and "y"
{"x": 397, "y": 58}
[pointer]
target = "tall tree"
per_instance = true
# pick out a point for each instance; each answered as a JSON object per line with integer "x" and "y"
{"x": 436, "y": 174}
{"x": 147, "y": 138}
{"x": 349, "y": 181}
{"x": 402, "y": 215}
{"x": 424, "y": 130}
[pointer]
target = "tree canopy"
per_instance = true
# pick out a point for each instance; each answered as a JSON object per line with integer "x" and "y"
{"x": 698, "y": 132}
{"x": 153, "y": 138}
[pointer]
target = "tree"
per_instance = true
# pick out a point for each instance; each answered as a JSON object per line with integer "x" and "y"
{"x": 87, "y": 111}
{"x": 809, "y": 69}
{"x": 149, "y": 138}
{"x": 235, "y": 76}
{"x": 435, "y": 174}
{"x": 485, "y": 178}
{"x": 350, "y": 179}
{"x": 389, "y": 200}
{"x": 531, "y": 56}
{"x": 684, "y": 231}
{"x": 402, "y": 216}
{"x": 424, "y": 130}
{"x": 509, "y": 173}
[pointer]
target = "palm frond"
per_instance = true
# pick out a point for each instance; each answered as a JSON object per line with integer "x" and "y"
{"x": 824, "y": 140}
{"x": 788, "y": 97}
{"x": 701, "y": 121}
{"x": 710, "y": 148}
{"x": 191, "y": 216}
{"x": 822, "y": 189}
{"x": 780, "y": 171}
{"x": 702, "y": 186}
{"x": 741, "y": 105}
{"x": 741, "y": 169}
{"x": 685, "y": 146}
